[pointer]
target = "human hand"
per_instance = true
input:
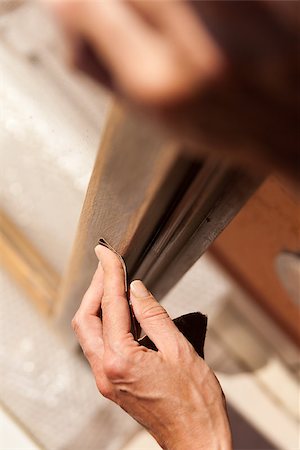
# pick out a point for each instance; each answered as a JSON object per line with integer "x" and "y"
{"x": 144, "y": 46}
{"x": 171, "y": 392}
{"x": 221, "y": 77}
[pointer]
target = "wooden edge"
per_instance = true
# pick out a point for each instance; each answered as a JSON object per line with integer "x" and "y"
{"x": 27, "y": 266}
{"x": 119, "y": 194}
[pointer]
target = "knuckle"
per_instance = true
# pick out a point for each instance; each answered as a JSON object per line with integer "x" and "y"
{"x": 183, "y": 349}
{"x": 115, "y": 367}
{"x": 114, "y": 266}
{"x": 88, "y": 352}
{"x": 147, "y": 89}
{"x": 75, "y": 323}
{"x": 154, "y": 311}
{"x": 108, "y": 299}
{"x": 105, "y": 388}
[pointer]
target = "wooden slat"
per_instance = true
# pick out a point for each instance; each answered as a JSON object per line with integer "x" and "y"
{"x": 26, "y": 266}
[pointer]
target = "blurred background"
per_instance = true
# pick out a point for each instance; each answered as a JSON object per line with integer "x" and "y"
{"x": 51, "y": 119}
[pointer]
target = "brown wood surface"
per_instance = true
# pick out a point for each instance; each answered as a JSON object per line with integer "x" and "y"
{"x": 153, "y": 204}
{"x": 267, "y": 225}
{"x": 132, "y": 165}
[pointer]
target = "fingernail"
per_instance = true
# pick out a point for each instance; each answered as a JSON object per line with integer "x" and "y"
{"x": 138, "y": 289}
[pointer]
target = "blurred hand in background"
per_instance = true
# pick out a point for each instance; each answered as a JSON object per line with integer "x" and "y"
{"x": 222, "y": 76}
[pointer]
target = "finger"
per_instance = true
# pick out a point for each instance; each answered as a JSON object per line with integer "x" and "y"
{"x": 153, "y": 318}
{"x": 146, "y": 65}
{"x": 115, "y": 310}
{"x": 173, "y": 19}
{"x": 87, "y": 324}
{"x": 91, "y": 302}
{"x": 118, "y": 34}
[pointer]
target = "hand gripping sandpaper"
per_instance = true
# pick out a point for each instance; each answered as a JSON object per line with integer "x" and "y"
{"x": 192, "y": 326}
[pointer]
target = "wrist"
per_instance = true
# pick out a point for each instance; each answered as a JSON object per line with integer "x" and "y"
{"x": 205, "y": 428}
{"x": 196, "y": 437}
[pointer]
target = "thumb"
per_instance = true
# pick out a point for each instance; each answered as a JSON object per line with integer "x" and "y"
{"x": 153, "y": 318}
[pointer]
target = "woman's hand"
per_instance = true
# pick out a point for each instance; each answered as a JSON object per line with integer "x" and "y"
{"x": 171, "y": 392}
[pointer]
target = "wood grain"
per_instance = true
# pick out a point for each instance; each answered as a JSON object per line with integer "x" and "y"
{"x": 155, "y": 205}
{"x": 132, "y": 165}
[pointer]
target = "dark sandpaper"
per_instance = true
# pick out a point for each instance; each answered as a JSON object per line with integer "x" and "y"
{"x": 192, "y": 326}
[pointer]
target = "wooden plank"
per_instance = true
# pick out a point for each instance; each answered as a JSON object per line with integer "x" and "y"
{"x": 124, "y": 200}
{"x": 26, "y": 266}
{"x": 144, "y": 195}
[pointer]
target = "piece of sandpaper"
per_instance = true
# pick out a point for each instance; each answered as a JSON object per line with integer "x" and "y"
{"x": 193, "y": 325}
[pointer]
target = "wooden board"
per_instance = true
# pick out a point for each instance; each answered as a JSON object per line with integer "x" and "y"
{"x": 132, "y": 164}
{"x": 155, "y": 205}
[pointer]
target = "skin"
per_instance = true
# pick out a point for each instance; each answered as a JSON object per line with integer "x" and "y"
{"x": 171, "y": 392}
{"x": 153, "y": 61}
{"x": 226, "y": 87}
{"x": 219, "y": 76}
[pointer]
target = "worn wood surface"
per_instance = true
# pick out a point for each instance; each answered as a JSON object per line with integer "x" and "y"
{"x": 132, "y": 165}
{"x": 27, "y": 266}
{"x": 155, "y": 205}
